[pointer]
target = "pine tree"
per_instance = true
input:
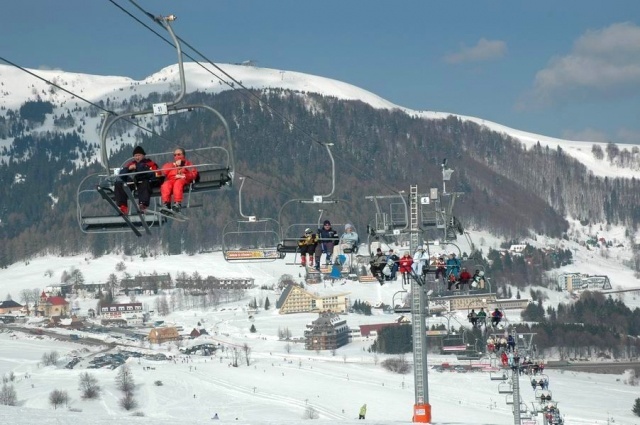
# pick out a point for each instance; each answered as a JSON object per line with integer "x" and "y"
{"x": 267, "y": 304}
{"x": 636, "y": 407}
{"x": 253, "y": 329}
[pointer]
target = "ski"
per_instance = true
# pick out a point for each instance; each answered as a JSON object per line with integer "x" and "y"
{"x": 113, "y": 204}
{"x": 140, "y": 213}
{"x": 165, "y": 212}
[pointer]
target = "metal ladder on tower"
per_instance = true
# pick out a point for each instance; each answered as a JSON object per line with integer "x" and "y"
{"x": 418, "y": 310}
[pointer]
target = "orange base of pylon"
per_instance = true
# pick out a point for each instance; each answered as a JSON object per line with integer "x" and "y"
{"x": 422, "y": 413}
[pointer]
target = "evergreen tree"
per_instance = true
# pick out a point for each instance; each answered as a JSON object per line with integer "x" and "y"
{"x": 636, "y": 407}
{"x": 267, "y": 304}
{"x": 252, "y": 329}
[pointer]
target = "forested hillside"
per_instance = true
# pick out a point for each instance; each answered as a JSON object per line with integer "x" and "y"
{"x": 508, "y": 190}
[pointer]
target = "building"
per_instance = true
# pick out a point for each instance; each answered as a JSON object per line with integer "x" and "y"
{"x": 579, "y": 282}
{"x": 126, "y": 314}
{"x": 467, "y": 302}
{"x": 294, "y": 299}
{"x": 52, "y": 306}
{"x": 61, "y": 289}
{"x": 372, "y": 330}
{"x": 327, "y": 332}
{"x": 116, "y": 310}
{"x": 517, "y": 249}
{"x": 161, "y": 335}
{"x": 10, "y": 307}
{"x": 149, "y": 284}
{"x": 475, "y": 301}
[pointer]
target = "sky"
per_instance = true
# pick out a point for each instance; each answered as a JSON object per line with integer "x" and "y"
{"x": 566, "y": 69}
{"x": 278, "y": 386}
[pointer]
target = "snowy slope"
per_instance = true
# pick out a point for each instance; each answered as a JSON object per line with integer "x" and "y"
{"x": 20, "y": 86}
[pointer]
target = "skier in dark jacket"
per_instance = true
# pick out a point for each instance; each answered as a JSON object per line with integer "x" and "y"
{"x": 327, "y": 237}
{"x": 144, "y": 173}
{"x": 377, "y": 265}
{"x": 511, "y": 343}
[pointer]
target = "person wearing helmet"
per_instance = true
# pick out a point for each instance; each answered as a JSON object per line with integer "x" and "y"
{"x": 307, "y": 245}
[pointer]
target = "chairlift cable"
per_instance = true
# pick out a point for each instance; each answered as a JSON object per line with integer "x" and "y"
{"x": 238, "y": 86}
{"x": 108, "y": 111}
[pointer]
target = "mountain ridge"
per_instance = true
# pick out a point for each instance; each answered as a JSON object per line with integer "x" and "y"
{"x": 198, "y": 79}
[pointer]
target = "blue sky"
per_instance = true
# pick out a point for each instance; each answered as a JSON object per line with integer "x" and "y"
{"x": 565, "y": 69}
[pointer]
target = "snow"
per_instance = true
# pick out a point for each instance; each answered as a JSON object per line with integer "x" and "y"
{"x": 278, "y": 386}
{"x": 21, "y": 87}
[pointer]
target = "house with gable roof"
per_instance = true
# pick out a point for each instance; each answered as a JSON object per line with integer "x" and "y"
{"x": 10, "y": 307}
{"x": 295, "y": 299}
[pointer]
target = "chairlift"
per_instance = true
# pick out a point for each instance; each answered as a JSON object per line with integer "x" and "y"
{"x": 92, "y": 218}
{"x": 509, "y": 399}
{"x": 400, "y": 303}
{"x": 436, "y": 215}
{"x": 390, "y": 223}
{"x": 291, "y": 230}
{"x": 543, "y": 396}
{"x": 250, "y": 239}
{"x": 498, "y": 376}
{"x": 454, "y": 343}
{"x": 505, "y": 388}
{"x": 212, "y": 175}
{"x": 524, "y": 410}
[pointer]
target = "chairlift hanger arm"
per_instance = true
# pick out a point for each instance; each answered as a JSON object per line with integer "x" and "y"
{"x": 107, "y": 123}
{"x": 333, "y": 171}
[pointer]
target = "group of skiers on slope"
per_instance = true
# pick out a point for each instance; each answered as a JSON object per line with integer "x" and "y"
{"x": 325, "y": 241}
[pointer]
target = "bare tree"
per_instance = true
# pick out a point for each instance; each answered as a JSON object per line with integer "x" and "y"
{"x": 235, "y": 354}
{"x": 124, "y": 379}
{"x": 58, "y": 398}
{"x": 128, "y": 402}
{"x": 36, "y": 294}
{"x": 247, "y": 353}
{"x": 8, "y": 396}
{"x": 89, "y": 386}
{"x": 26, "y": 296}
{"x": 50, "y": 358}
{"x": 287, "y": 347}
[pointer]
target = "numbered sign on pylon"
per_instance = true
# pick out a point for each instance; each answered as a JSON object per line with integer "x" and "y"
{"x": 160, "y": 109}
{"x": 317, "y": 199}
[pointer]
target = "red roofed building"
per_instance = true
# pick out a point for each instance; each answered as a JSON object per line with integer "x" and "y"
{"x": 52, "y": 306}
{"x": 373, "y": 330}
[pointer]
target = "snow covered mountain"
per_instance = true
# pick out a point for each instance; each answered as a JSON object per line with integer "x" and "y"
{"x": 18, "y": 87}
